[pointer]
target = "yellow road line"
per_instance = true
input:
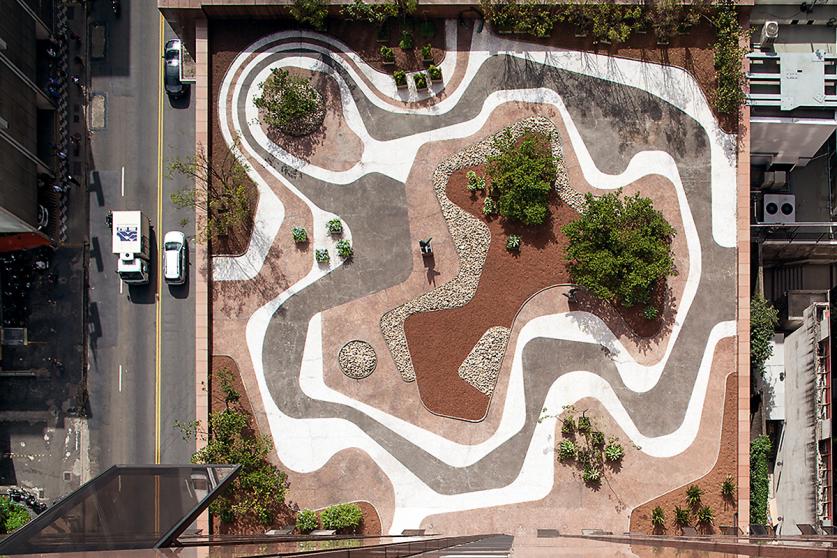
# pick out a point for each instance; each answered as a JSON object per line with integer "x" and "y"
{"x": 158, "y": 270}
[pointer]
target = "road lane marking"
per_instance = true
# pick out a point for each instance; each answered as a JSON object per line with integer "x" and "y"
{"x": 159, "y": 244}
{"x": 123, "y": 181}
{"x": 120, "y": 284}
{"x": 120, "y": 378}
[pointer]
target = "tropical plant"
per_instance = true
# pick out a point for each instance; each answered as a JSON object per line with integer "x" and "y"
{"x": 288, "y": 102}
{"x": 420, "y": 79}
{"x": 650, "y": 313}
{"x": 584, "y": 425}
{"x": 427, "y": 52}
{"x": 597, "y": 439}
{"x": 321, "y": 255}
{"x": 344, "y": 249}
{"x": 681, "y": 516}
{"x": 693, "y": 494}
{"x": 591, "y": 474}
{"x": 728, "y": 488}
{"x": 475, "y": 182}
{"x": 763, "y": 321}
{"x": 614, "y": 451}
{"x": 658, "y": 517}
{"x": 387, "y": 54}
{"x": 299, "y": 234}
{"x": 760, "y": 449}
{"x": 334, "y": 226}
{"x": 705, "y": 516}
{"x": 311, "y": 12}
{"x": 342, "y": 517}
{"x": 220, "y": 191}
{"x": 522, "y": 177}
{"x": 513, "y": 243}
{"x": 567, "y": 450}
{"x": 568, "y": 426}
{"x": 435, "y": 72}
{"x": 619, "y": 250}
{"x": 400, "y": 77}
{"x": 489, "y": 207}
{"x": 371, "y": 13}
{"x": 307, "y": 521}
{"x": 406, "y": 42}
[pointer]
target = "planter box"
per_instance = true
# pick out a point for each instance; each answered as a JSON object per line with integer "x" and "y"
{"x": 427, "y": 61}
{"x": 401, "y": 85}
{"x": 388, "y": 62}
{"x": 580, "y": 35}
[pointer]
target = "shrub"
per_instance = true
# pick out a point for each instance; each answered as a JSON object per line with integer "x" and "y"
{"x": 299, "y": 234}
{"x": 568, "y": 426}
{"x": 728, "y": 488}
{"x": 321, "y": 255}
{"x": 289, "y": 102}
{"x": 406, "y": 42}
{"x": 693, "y": 494}
{"x": 658, "y": 517}
{"x": 335, "y": 226}
{"x": 344, "y": 249}
{"x": 312, "y": 12}
{"x": 705, "y": 515}
{"x": 306, "y": 521}
{"x": 513, "y": 243}
{"x": 650, "y": 313}
{"x": 387, "y": 54}
{"x": 400, "y": 77}
{"x": 613, "y": 22}
{"x": 763, "y": 320}
{"x": 371, "y": 13}
{"x": 728, "y": 56}
{"x": 567, "y": 450}
{"x": 343, "y": 517}
{"x": 620, "y": 250}
{"x": 614, "y": 452}
{"x": 591, "y": 474}
{"x": 420, "y": 79}
{"x": 681, "y": 516}
{"x": 489, "y": 207}
{"x": 475, "y": 182}
{"x": 427, "y": 52}
{"x": 522, "y": 177}
{"x": 597, "y": 439}
{"x": 760, "y": 449}
{"x": 435, "y": 72}
{"x": 520, "y": 16}
{"x": 584, "y": 425}
{"x": 13, "y": 516}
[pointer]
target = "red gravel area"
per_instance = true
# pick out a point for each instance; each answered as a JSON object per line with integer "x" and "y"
{"x": 710, "y": 483}
{"x": 440, "y": 341}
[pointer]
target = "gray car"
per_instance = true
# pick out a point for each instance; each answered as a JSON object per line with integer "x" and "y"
{"x": 171, "y": 70}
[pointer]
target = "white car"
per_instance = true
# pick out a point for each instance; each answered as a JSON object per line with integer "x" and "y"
{"x": 175, "y": 252}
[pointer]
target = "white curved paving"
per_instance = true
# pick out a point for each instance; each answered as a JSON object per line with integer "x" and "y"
{"x": 305, "y": 445}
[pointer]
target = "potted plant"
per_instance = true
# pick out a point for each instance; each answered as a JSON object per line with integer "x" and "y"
{"x": 387, "y": 55}
{"x": 335, "y": 226}
{"x": 406, "y": 42}
{"x": 321, "y": 255}
{"x": 344, "y": 249}
{"x": 300, "y": 235}
{"x": 400, "y": 79}
{"x": 420, "y": 79}
{"x": 435, "y": 73}
{"x": 427, "y": 54}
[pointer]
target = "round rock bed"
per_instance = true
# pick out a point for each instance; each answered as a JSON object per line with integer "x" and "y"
{"x": 357, "y": 359}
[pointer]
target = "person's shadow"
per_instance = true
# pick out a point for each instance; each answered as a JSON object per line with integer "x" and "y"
{"x": 430, "y": 267}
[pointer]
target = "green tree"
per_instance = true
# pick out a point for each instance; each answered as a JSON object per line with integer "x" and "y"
{"x": 522, "y": 177}
{"x": 763, "y": 321}
{"x": 370, "y": 13}
{"x": 619, "y": 250}
{"x": 219, "y": 191}
{"x": 311, "y": 12}
{"x": 760, "y": 449}
{"x": 289, "y": 102}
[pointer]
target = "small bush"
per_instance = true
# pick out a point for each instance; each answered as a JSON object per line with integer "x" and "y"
{"x": 312, "y": 12}
{"x": 705, "y": 516}
{"x": 343, "y": 517}
{"x": 426, "y": 52}
{"x": 591, "y": 474}
{"x": 584, "y": 425}
{"x": 435, "y": 72}
{"x": 13, "y": 515}
{"x": 614, "y": 452}
{"x": 658, "y": 517}
{"x": 406, "y": 42}
{"x": 334, "y": 226}
{"x": 693, "y": 494}
{"x": 344, "y": 249}
{"x": 299, "y": 234}
{"x": 475, "y": 182}
{"x": 513, "y": 243}
{"x": 321, "y": 255}
{"x": 597, "y": 439}
{"x": 763, "y": 320}
{"x": 371, "y": 13}
{"x": 650, "y": 313}
{"x": 387, "y": 54}
{"x": 400, "y": 77}
{"x": 306, "y": 521}
{"x": 568, "y": 426}
{"x": 489, "y": 207}
{"x": 420, "y": 80}
{"x": 567, "y": 450}
{"x": 681, "y": 516}
{"x": 760, "y": 449}
{"x": 728, "y": 488}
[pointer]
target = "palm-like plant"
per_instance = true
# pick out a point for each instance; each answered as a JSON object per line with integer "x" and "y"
{"x": 728, "y": 488}
{"x": 681, "y": 516}
{"x": 705, "y": 516}
{"x": 693, "y": 494}
{"x": 658, "y": 517}
{"x": 567, "y": 450}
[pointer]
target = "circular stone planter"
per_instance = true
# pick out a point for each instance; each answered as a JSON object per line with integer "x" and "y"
{"x": 357, "y": 359}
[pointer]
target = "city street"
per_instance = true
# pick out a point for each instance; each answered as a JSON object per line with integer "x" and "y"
{"x": 141, "y": 348}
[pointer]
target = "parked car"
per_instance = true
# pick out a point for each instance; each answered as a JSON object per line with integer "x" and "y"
{"x": 175, "y": 253}
{"x": 171, "y": 71}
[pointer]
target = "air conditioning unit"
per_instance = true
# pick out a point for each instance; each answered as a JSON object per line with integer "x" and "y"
{"x": 769, "y": 32}
{"x": 774, "y": 180}
{"x": 779, "y": 208}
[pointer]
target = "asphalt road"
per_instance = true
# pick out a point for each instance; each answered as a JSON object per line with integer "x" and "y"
{"x": 133, "y": 407}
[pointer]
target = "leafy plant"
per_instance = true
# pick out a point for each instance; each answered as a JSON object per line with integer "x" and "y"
{"x": 400, "y": 77}
{"x": 406, "y": 42}
{"x": 475, "y": 182}
{"x": 513, "y": 243}
{"x": 681, "y": 516}
{"x": 288, "y": 102}
{"x": 729, "y": 95}
{"x": 387, "y": 54}
{"x": 568, "y": 426}
{"x": 344, "y": 249}
{"x": 312, "y": 12}
{"x": 371, "y": 13}
{"x": 489, "y": 207}
{"x": 521, "y": 16}
{"x": 321, "y": 255}
{"x": 307, "y": 521}
{"x": 567, "y": 450}
{"x": 658, "y": 517}
{"x": 614, "y": 452}
{"x": 728, "y": 488}
{"x": 522, "y": 176}
{"x": 13, "y": 516}
{"x": 763, "y": 321}
{"x": 420, "y": 79}
{"x": 584, "y": 425}
{"x": 614, "y": 22}
{"x": 335, "y": 226}
{"x": 650, "y": 313}
{"x": 693, "y": 494}
{"x": 299, "y": 234}
{"x": 427, "y": 52}
{"x": 760, "y": 449}
{"x": 591, "y": 474}
{"x": 435, "y": 72}
{"x": 620, "y": 250}
{"x": 597, "y": 439}
{"x": 342, "y": 517}
{"x": 705, "y": 516}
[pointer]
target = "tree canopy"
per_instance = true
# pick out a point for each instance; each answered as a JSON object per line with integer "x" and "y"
{"x": 290, "y": 103}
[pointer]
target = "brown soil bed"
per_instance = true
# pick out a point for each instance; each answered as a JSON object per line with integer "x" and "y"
{"x": 726, "y": 464}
